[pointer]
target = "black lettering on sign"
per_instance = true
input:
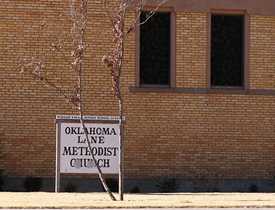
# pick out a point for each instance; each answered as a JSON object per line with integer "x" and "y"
{"x": 91, "y": 131}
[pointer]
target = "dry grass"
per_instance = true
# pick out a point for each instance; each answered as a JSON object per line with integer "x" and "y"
{"x": 101, "y": 200}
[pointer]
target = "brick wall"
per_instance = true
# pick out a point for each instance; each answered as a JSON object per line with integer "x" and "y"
{"x": 191, "y": 49}
{"x": 188, "y": 135}
{"x": 262, "y": 48}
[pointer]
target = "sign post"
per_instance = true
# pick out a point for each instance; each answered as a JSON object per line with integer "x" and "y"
{"x": 57, "y": 162}
{"x": 73, "y": 155}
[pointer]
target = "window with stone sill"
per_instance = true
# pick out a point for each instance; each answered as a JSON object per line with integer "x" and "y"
{"x": 155, "y": 49}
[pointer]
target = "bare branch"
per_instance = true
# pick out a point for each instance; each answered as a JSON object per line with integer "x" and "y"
{"x": 57, "y": 47}
{"x": 114, "y": 60}
{"x": 35, "y": 68}
{"x": 139, "y": 9}
{"x": 153, "y": 12}
{"x": 79, "y": 18}
{"x": 108, "y": 13}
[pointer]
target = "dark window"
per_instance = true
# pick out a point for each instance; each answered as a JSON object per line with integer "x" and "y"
{"x": 155, "y": 49}
{"x": 227, "y": 50}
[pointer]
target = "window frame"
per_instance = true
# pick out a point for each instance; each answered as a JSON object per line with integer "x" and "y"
{"x": 246, "y": 38}
{"x": 172, "y": 82}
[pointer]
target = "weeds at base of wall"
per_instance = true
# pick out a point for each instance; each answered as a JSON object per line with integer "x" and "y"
{"x": 33, "y": 184}
{"x": 166, "y": 185}
{"x": 207, "y": 185}
{"x": 135, "y": 190}
{"x": 1, "y": 179}
{"x": 70, "y": 187}
{"x": 112, "y": 184}
{"x": 253, "y": 188}
{"x": 2, "y": 171}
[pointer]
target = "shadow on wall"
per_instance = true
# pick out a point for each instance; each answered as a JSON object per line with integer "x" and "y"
{"x": 161, "y": 185}
{"x": 2, "y": 171}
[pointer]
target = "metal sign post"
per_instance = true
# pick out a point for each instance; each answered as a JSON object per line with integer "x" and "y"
{"x": 57, "y": 160}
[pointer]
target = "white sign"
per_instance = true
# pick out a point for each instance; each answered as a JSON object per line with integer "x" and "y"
{"x": 75, "y": 155}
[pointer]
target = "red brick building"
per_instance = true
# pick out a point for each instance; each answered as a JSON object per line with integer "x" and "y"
{"x": 198, "y": 84}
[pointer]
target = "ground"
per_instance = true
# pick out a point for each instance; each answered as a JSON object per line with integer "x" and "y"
{"x": 101, "y": 200}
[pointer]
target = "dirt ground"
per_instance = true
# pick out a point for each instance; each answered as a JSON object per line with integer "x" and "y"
{"x": 102, "y": 200}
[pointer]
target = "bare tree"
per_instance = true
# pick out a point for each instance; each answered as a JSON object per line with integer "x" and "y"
{"x": 36, "y": 67}
{"x": 114, "y": 60}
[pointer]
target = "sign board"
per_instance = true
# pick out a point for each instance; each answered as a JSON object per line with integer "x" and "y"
{"x": 75, "y": 155}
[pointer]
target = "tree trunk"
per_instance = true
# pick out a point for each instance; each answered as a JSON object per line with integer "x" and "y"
{"x": 100, "y": 175}
{"x": 121, "y": 155}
